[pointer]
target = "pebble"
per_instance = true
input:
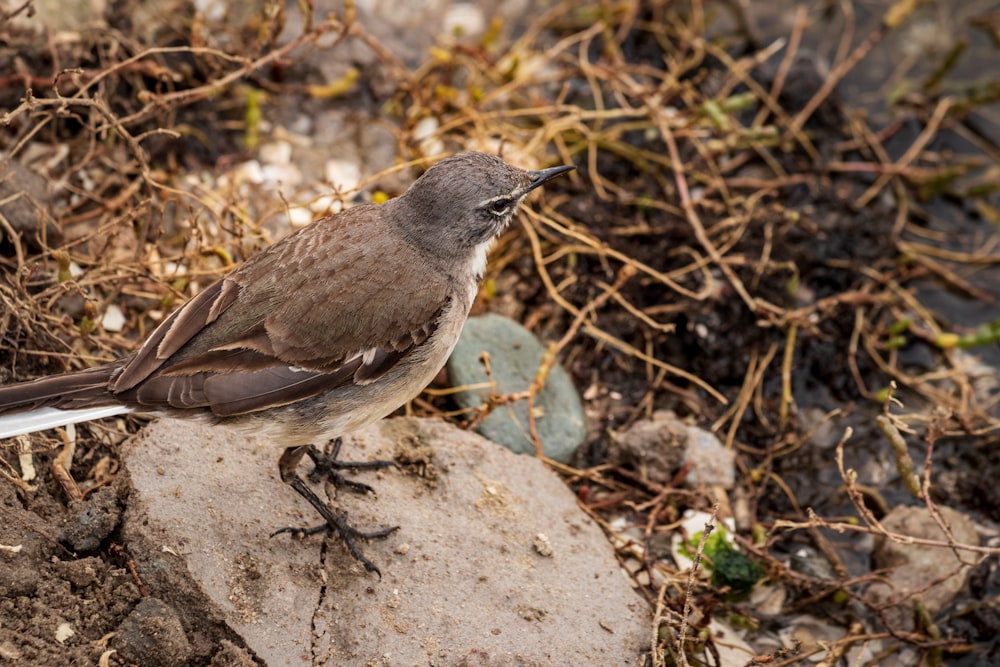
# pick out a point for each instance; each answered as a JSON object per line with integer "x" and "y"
{"x": 464, "y": 19}
{"x": 93, "y": 521}
{"x": 299, "y": 216}
{"x": 514, "y": 357}
{"x": 344, "y": 174}
{"x": 113, "y": 319}
{"x": 275, "y": 152}
{"x": 152, "y": 636}
{"x": 287, "y": 175}
{"x": 934, "y": 575}
{"x": 660, "y": 446}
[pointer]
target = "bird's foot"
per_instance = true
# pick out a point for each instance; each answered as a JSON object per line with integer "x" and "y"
{"x": 337, "y": 522}
{"x": 334, "y": 521}
{"x": 328, "y": 466}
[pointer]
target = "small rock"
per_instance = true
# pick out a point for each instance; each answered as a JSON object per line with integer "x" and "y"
{"x": 26, "y": 205}
{"x": 344, "y": 174}
{"x": 82, "y": 573}
{"x": 275, "y": 152}
{"x": 95, "y": 518}
{"x": 464, "y": 19}
{"x": 231, "y": 655}
{"x": 286, "y": 175}
{"x": 9, "y": 652}
{"x": 299, "y": 216}
{"x": 810, "y": 633}
{"x": 729, "y": 646}
{"x": 543, "y": 546}
{"x": 915, "y": 568}
{"x": 247, "y": 172}
{"x": 684, "y": 542}
{"x": 652, "y": 448}
{"x": 425, "y": 128}
{"x": 661, "y": 446}
{"x": 113, "y": 319}
{"x": 64, "y": 631}
{"x": 152, "y": 636}
{"x": 425, "y": 133}
{"x": 514, "y": 357}
{"x": 58, "y": 17}
{"x": 768, "y": 601}
{"x": 812, "y": 563}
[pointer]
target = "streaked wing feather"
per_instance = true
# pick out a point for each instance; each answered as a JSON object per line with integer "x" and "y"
{"x": 290, "y": 323}
{"x": 233, "y": 382}
{"x": 240, "y": 393}
{"x": 174, "y": 332}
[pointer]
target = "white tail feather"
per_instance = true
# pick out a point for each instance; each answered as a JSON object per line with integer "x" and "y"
{"x": 45, "y": 418}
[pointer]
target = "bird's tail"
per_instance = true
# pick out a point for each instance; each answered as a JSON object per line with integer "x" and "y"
{"x": 82, "y": 389}
{"x": 26, "y": 407}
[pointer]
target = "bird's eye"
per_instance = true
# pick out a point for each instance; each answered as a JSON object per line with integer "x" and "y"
{"x": 499, "y": 206}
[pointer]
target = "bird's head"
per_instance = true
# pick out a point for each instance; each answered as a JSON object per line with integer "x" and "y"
{"x": 465, "y": 201}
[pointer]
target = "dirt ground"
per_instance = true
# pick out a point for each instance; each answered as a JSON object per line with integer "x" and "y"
{"x": 781, "y": 227}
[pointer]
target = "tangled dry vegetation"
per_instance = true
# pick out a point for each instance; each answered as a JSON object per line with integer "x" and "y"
{"x": 736, "y": 245}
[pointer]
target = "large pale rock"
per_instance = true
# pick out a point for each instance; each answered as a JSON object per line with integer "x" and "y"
{"x": 494, "y": 563}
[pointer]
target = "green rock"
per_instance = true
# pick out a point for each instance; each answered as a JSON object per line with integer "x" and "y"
{"x": 515, "y": 354}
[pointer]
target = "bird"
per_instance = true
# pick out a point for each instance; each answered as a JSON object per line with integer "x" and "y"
{"x": 326, "y": 331}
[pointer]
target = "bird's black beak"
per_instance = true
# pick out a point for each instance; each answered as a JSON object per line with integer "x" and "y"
{"x": 544, "y": 175}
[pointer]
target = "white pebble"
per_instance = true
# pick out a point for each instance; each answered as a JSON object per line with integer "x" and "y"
{"x": 299, "y": 216}
{"x": 64, "y": 632}
{"x": 344, "y": 174}
{"x": 286, "y": 174}
{"x": 275, "y": 152}
{"x": 426, "y": 127}
{"x": 249, "y": 171}
{"x": 113, "y": 319}
{"x": 464, "y": 19}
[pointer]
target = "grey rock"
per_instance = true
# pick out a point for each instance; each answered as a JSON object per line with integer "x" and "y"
{"x": 94, "y": 520}
{"x": 152, "y": 636}
{"x": 661, "y": 446}
{"x": 231, "y": 655}
{"x": 514, "y": 357}
{"x": 462, "y": 580}
{"x": 26, "y": 205}
{"x": 935, "y": 575}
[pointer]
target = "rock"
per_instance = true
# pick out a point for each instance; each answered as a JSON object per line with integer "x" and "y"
{"x": 463, "y": 581}
{"x": 727, "y": 646}
{"x": 82, "y": 573}
{"x": 152, "y": 636}
{"x": 810, "y": 634}
{"x": 661, "y": 446}
{"x": 935, "y": 575}
{"x": 464, "y": 19}
{"x": 95, "y": 518}
{"x": 231, "y": 655}
{"x": 26, "y": 206}
{"x": 514, "y": 357}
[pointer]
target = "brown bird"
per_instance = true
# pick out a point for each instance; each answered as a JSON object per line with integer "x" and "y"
{"x": 326, "y": 331}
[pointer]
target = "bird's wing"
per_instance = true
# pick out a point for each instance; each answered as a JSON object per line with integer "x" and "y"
{"x": 315, "y": 311}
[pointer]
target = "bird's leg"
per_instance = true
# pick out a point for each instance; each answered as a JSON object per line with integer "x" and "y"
{"x": 327, "y": 466}
{"x": 335, "y": 521}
